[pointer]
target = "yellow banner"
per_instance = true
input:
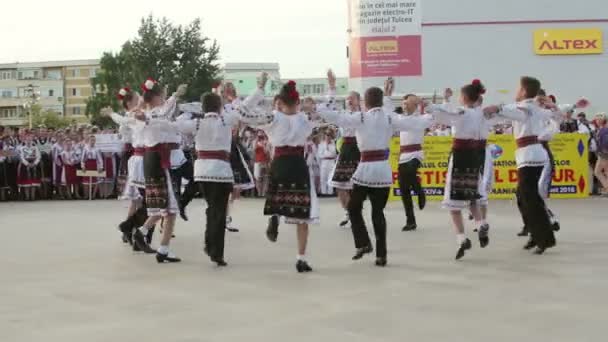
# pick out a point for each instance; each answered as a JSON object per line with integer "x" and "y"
{"x": 568, "y": 41}
{"x": 570, "y": 180}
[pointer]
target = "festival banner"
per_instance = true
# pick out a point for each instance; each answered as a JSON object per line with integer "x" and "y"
{"x": 385, "y": 38}
{"x": 109, "y": 143}
{"x": 570, "y": 179}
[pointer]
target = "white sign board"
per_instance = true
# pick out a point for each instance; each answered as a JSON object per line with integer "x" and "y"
{"x": 109, "y": 143}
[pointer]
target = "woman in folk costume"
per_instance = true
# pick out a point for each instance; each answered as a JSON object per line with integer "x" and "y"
{"x": 463, "y": 182}
{"x": 601, "y": 167}
{"x": 4, "y": 155}
{"x": 243, "y": 179}
{"x": 69, "y": 179}
{"x": 373, "y": 177}
{"x": 28, "y": 171}
{"x": 348, "y": 159}
{"x": 45, "y": 146}
{"x": 160, "y": 197}
{"x": 134, "y": 190}
{"x": 290, "y": 191}
{"x": 92, "y": 160}
{"x": 126, "y": 135}
{"x": 58, "y": 163}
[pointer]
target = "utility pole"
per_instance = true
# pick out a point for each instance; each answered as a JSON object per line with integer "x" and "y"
{"x": 31, "y": 95}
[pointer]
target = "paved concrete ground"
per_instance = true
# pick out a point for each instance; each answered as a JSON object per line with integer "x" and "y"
{"x": 66, "y": 277}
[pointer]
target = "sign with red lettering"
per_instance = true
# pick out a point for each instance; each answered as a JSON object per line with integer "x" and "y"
{"x": 568, "y": 41}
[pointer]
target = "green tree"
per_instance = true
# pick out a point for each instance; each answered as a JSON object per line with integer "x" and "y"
{"x": 171, "y": 54}
{"x": 48, "y": 118}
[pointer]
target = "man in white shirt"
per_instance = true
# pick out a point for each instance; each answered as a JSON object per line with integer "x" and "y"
{"x": 327, "y": 155}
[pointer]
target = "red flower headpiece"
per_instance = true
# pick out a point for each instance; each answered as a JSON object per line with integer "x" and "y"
{"x": 553, "y": 98}
{"x": 123, "y": 92}
{"x": 294, "y": 95}
{"x": 148, "y": 84}
{"x": 477, "y": 82}
{"x": 291, "y": 84}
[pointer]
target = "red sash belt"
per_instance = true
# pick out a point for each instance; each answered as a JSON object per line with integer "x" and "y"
{"x": 282, "y": 151}
{"x": 165, "y": 154}
{"x": 139, "y": 151}
{"x": 411, "y": 148}
{"x": 527, "y": 141}
{"x": 349, "y": 140}
{"x": 468, "y": 144}
{"x": 217, "y": 155}
{"x": 374, "y": 156}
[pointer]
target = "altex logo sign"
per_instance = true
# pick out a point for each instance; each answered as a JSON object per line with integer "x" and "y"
{"x": 568, "y": 41}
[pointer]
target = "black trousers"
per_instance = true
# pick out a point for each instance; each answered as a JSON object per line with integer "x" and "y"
{"x": 186, "y": 171}
{"x": 532, "y": 206}
{"x": 378, "y": 198}
{"x": 408, "y": 182}
{"x": 217, "y": 195}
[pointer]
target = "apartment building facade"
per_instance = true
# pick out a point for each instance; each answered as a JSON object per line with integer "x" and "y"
{"x": 61, "y": 87}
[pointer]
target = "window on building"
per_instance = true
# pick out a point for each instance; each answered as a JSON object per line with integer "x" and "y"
{"x": 53, "y": 75}
{"x": 93, "y": 72}
{"x": 306, "y": 90}
{"x": 51, "y": 93}
{"x": 7, "y": 93}
{"x": 318, "y": 89}
{"x": 76, "y": 111}
{"x": 75, "y": 73}
{"x": 8, "y": 112}
{"x": 36, "y": 74}
{"x": 75, "y": 92}
{"x": 6, "y": 75}
{"x": 20, "y": 75}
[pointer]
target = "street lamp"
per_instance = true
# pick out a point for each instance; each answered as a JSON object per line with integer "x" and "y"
{"x": 32, "y": 96}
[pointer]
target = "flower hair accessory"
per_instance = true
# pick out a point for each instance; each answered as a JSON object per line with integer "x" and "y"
{"x": 291, "y": 84}
{"x": 148, "y": 84}
{"x": 123, "y": 92}
{"x": 477, "y": 82}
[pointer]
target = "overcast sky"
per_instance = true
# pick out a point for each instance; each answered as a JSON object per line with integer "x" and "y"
{"x": 305, "y": 37}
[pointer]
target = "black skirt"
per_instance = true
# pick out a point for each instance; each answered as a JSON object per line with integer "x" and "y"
{"x": 46, "y": 167}
{"x": 123, "y": 169}
{"x": 3, "y": 175}
{"x": 289, "y": 188}
{"x": 348, "y": 160}
{"x": 242, "y": 176}
{"x": 157, "y": 192}
{"x": 467, "y": 167}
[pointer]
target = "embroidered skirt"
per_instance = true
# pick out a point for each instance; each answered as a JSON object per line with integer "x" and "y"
{"x": 463, "y": 178}
{"x": 243, "y": 179}
{"x": 108, "y": 163}
{"x": 348, "y": 160}
{"x": 90, "y": 165}
{"x": 160, "y": 199}
{"x": 28, "y": 176}
{"x": 290, "y": 193}
{"x": 68, "y": 176}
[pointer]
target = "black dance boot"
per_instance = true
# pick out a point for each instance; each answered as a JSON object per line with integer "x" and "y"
{"x": 182, "y": 212}
{"x": 421, "y": 200}
{"x": 139, "y": 240}
{"x": 362, "y": 251}
{"x": 162, "y": 258}
{"x": 381, "y": 262}
{"x": 530, "y": 244}
{"x": 303, "y": 267}
{"x": 272, "y": 232}
{"x": 410, "y": 227}
{"x": 150, "y": 235}
{"x": 126, "y": 228}
{"x": 464, "y": 246}
{"x": 484, "y": 235}
{"x": 524, "y": 232}
{"x": 219, "y": 261}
